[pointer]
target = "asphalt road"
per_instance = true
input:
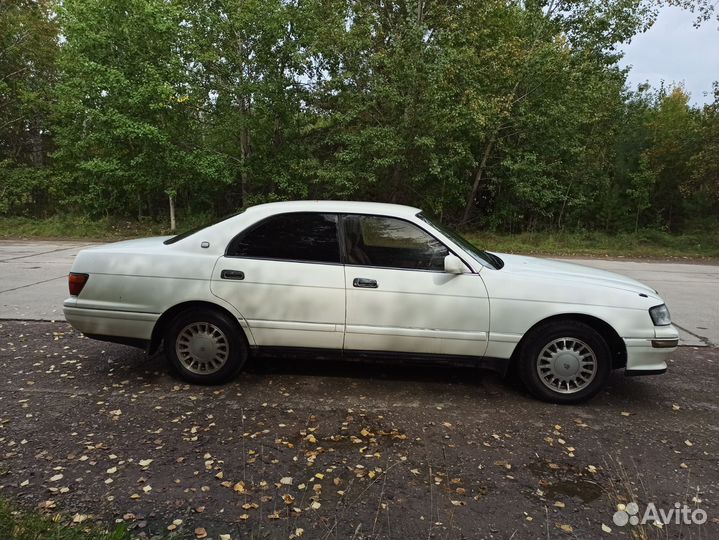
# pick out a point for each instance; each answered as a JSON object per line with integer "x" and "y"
{"x": 102, "y": 433}
{"x": 33, "y": 285}
{"x": 347, "y": 449}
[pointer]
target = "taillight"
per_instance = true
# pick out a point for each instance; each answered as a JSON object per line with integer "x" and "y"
{"x": 76, "y": 282}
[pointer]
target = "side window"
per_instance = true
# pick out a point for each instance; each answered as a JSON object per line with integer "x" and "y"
{"x": 309, "y": 237}
{"x": 391, "y": 243}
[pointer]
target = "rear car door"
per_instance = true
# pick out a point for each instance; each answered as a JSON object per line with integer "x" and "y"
{"x": 284, "y": 275}
{"x": 399, "y": 298}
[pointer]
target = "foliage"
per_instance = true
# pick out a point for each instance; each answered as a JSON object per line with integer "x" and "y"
{"x": 22, "y": 525}
{"x": 503, "y": 115}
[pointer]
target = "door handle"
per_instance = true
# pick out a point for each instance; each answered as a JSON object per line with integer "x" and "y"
{"x": 364, "y": 283}
{"x": 232, "y": 274}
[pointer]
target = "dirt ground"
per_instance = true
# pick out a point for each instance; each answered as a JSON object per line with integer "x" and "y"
{"x": 323, "y": 449}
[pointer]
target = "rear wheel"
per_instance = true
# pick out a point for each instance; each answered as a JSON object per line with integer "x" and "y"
{"x": 564, "y": 362}
{"x": 205, "y": 346}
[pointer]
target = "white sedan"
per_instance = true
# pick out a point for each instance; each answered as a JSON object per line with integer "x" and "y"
{"x": 313, "y": 278}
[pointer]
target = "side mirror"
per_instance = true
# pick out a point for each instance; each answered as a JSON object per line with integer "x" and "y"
{"x": 453, "y": 264}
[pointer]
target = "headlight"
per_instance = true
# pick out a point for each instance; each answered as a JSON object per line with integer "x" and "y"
{"x": 660, "y": 315}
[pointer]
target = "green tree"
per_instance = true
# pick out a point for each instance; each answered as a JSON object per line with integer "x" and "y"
{"x": 28, "y": 52}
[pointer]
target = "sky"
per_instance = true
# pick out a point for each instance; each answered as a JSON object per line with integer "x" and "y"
{"x": 674, "y": 51}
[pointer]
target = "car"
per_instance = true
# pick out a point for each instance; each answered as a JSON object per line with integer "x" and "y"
{"x": 362, "y": 279}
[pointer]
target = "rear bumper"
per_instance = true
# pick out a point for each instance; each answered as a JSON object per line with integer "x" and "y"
{"x": 125, "y": 326}
{"x": 649, "y": 356}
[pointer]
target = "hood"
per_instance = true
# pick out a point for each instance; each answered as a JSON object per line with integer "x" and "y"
{"x": 546, "y": 268}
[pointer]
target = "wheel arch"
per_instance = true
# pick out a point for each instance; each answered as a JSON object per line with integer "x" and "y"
{"x": 614, "y": 341}
{"x": 170, "y": 313}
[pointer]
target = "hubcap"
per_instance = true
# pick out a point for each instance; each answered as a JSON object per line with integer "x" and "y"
{"x": 202, "y": 348}
{"x": 567, "y": 365}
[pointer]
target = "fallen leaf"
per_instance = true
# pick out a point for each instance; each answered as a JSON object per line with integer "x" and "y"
{"x": 566, "y": 528}
{"x": 56, "y": 478}
{"x": 606, "y": 529}
{"x": 625, "y": 413}
{"x": 688, "y": 443}
{"x": 200, "y": 532}
{"x": 286, "y": 481}
{"x": 145, "y": 462}
{"x": 315, "y": 505}
{"x": 559, "y": 504}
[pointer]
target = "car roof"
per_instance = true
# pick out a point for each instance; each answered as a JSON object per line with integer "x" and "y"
{"x": 350, "y": 207}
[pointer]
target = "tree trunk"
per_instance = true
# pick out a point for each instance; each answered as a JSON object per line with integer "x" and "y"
{"x": 564, "y": 205}
{"x": 244, "y": 151}
{"x": 172, "y": 213}
{"x": 477, "y": 181}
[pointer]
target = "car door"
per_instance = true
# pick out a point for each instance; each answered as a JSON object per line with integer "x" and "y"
{"x": 284, "y": 275}
{"x": 399, "y": 298}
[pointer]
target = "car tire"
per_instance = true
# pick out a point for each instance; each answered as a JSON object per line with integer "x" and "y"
{"x": 564, "y": 362}
{"x": 205, "y": 346}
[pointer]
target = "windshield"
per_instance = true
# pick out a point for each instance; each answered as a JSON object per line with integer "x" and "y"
{"x": 482, "y": 257}
{"x": 185, "y": 234}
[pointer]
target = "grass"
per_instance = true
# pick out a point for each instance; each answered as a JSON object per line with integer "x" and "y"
{"x": 78, "y": 228}
{"x": 643, "y": 244}
{"x": 24, "y": 525}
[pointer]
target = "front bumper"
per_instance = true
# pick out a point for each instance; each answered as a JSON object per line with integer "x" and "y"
{"x": 648, "y": 356}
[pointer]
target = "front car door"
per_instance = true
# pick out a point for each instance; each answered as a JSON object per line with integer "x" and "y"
{"x": 285, "y": 276}
{"x": 399, "y": 298}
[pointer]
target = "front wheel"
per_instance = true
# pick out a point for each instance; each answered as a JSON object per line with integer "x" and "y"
{"x": 564, "y": 362}
{"x": 205, "y": 346}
